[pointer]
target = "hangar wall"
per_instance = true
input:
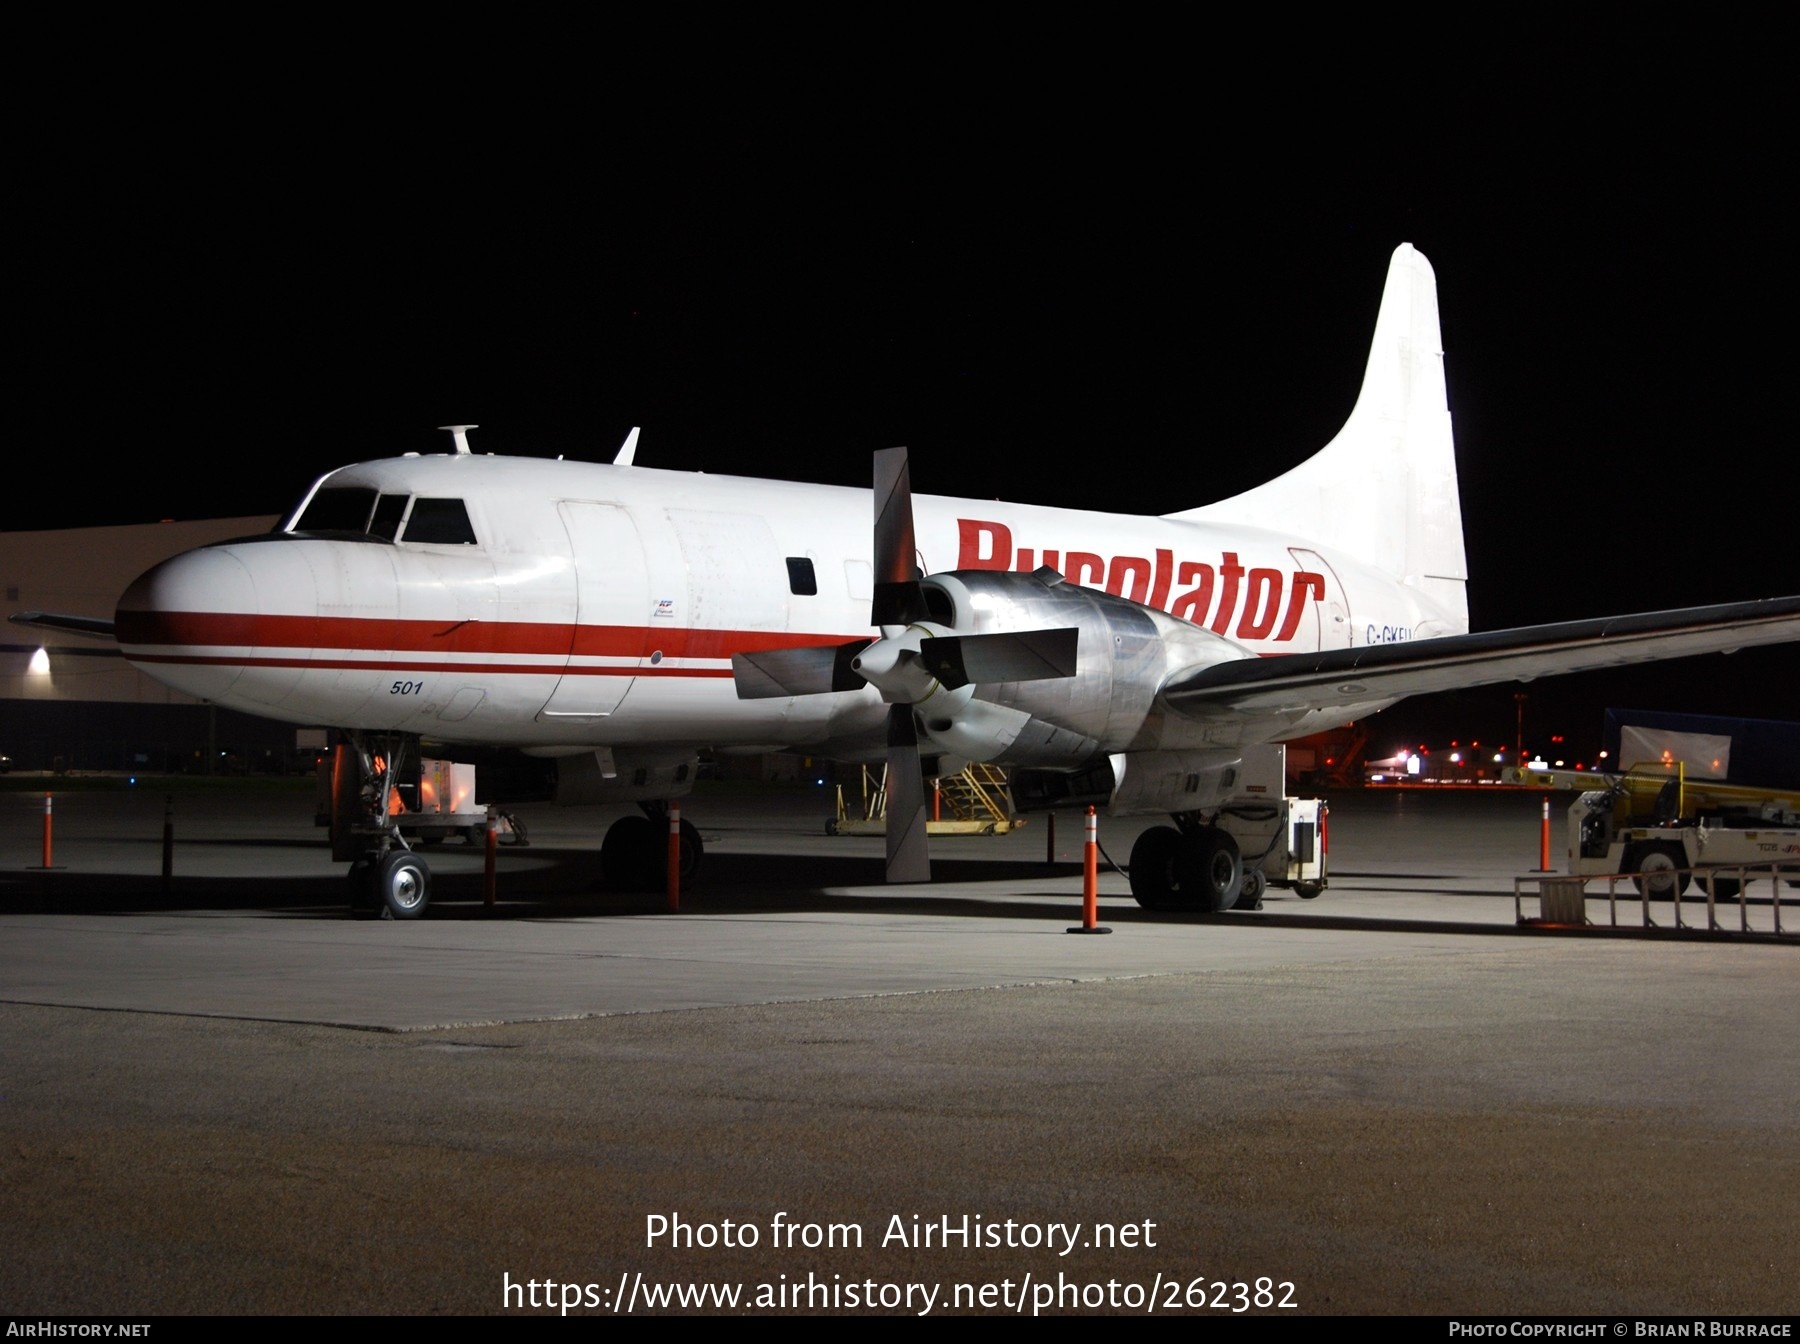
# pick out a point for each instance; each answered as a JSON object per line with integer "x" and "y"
{"x": 90, "y": 709}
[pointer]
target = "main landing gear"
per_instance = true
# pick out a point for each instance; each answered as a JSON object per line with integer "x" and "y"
{"x": 1189, "y": 866}
{"x": 635, "y": 854}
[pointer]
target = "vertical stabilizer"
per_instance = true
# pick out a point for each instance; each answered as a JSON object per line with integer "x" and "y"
{"x": 1384, "y": 490}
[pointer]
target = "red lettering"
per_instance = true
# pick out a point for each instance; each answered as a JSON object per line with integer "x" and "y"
{"x": 1129, "y": 567}
{"x": 1159, "y": 590}
{"x": 1305, "y": 586}
{"x": 1085, "y": 568}
{"x": 971, "y": 533}
{"x": 1197, "y": 601}
{"x": 983, "y": 544}
{"x": 1262, "y": 600}
{"x": 1231, "y": 571}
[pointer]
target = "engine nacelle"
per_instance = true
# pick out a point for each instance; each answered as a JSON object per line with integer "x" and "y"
{"x": 1126, "y": 653}
{"x": 1131, "y": 784}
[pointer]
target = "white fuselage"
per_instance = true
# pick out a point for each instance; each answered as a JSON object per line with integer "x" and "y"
{"x": 599, "y": 605}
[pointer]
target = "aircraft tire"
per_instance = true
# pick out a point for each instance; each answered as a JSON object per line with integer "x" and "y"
{"x": 1309, "y": 891}
{"x": 1152, "y": 868}
{"x": 1208, "y": 870}
{"x": 403, "y": 883}
{"x": 361, "y": 883}
{"x": 626, "y": 856}
{"x": 1726, "y": 888}
{"x": 657, "y": 858}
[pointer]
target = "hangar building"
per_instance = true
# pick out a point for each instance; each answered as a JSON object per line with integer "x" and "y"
{"x": 72, "y": 703}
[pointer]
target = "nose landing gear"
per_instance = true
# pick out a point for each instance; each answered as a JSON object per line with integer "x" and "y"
{"x": 385, "y": 875}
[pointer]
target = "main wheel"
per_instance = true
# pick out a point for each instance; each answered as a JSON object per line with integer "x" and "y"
{"x": 625, "y": 856}
{"x": 1208, "y": 870}
{"x": 403, "y": 883}
{"x": 1152, "y": 870}
{"x": 691, "y": 850}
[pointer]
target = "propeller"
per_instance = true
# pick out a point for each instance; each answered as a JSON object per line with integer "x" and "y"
{"x": 913, "y": 661}
{"x": 899, "y": 603}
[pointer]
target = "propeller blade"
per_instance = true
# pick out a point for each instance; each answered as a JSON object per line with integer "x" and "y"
{"x": 1024, "y": 655}
{"x": 908, "y": 855}
{"x": 769, "y": 674}
{"x": 898, "y": 598}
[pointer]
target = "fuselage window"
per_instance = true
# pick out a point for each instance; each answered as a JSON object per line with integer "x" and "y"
{"x": 389, "y": 510}
{"x": 442, "y": 522}
{"x": 802, "y": 582}
{"x": 341, "y": 509}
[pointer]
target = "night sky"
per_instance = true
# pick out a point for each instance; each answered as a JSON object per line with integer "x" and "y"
{"x": 1123, "y": 295}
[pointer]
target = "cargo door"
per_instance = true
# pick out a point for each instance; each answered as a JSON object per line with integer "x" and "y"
{"x": 612, "y": 598}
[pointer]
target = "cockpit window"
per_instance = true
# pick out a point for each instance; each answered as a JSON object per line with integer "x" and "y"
{"x": 389, "y": 510}
{"x": 444, "y": 522}
{"x": 339, "y": 509}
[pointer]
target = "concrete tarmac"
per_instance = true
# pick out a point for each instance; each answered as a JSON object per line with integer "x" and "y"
{"x": 233, "y": 1096}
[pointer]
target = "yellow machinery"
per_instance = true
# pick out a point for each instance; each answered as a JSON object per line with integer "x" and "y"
{"x": 976, "y": 801}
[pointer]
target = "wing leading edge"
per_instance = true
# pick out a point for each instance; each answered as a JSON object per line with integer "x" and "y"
{"x": 1391, "y": 671}
{"x": 94, "y": 627}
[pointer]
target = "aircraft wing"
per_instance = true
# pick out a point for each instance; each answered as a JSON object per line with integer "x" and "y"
{"x": 93, "y": 627}
{"x": 1415, "y": 667}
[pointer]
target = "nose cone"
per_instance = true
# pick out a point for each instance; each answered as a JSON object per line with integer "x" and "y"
{"x": 191, "y": 622}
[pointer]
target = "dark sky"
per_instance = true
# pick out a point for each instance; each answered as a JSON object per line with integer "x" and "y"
{"x": 1136, "y": 296}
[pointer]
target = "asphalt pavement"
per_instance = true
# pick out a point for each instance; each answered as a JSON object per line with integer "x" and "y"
{"x": 228, "y": 1093}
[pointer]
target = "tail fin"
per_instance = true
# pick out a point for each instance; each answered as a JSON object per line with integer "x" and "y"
{"x": 1384, "y": 490}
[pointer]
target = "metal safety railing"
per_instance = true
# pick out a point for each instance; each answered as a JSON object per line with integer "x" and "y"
{"x": 1562, "y": 899}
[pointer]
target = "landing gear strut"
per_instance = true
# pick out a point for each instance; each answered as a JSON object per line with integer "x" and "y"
{"x": 1189, "y": 866}
{"x": 635, "y": 854}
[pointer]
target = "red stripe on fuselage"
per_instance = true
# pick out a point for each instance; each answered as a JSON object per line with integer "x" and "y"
{"x": 414, "y": 665}
{"x": 353, "y": 634}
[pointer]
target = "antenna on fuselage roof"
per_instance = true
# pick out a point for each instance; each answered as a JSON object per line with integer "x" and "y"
{"x": 460, "y": 434}
{"x": 628, "y": 449}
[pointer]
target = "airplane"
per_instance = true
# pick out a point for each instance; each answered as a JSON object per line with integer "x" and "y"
{"x": 624, "y": 619}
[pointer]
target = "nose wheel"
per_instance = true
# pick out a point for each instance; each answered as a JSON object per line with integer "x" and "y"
{"x": 402, "y": 884}
{"x": 395, "y": 885}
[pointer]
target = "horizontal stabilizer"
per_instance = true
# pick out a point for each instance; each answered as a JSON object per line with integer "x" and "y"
{"x": 819, "y": 669}
{"x": 1389, "y": 671}
{"x": 1028, "y": 655}
{"x": 93, "y": 627}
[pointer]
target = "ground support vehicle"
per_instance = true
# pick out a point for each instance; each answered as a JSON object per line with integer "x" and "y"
{"x": 1281, "y": 843}
{"x": 1280, "y": 840}
{"x": 1658, "y": 828}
